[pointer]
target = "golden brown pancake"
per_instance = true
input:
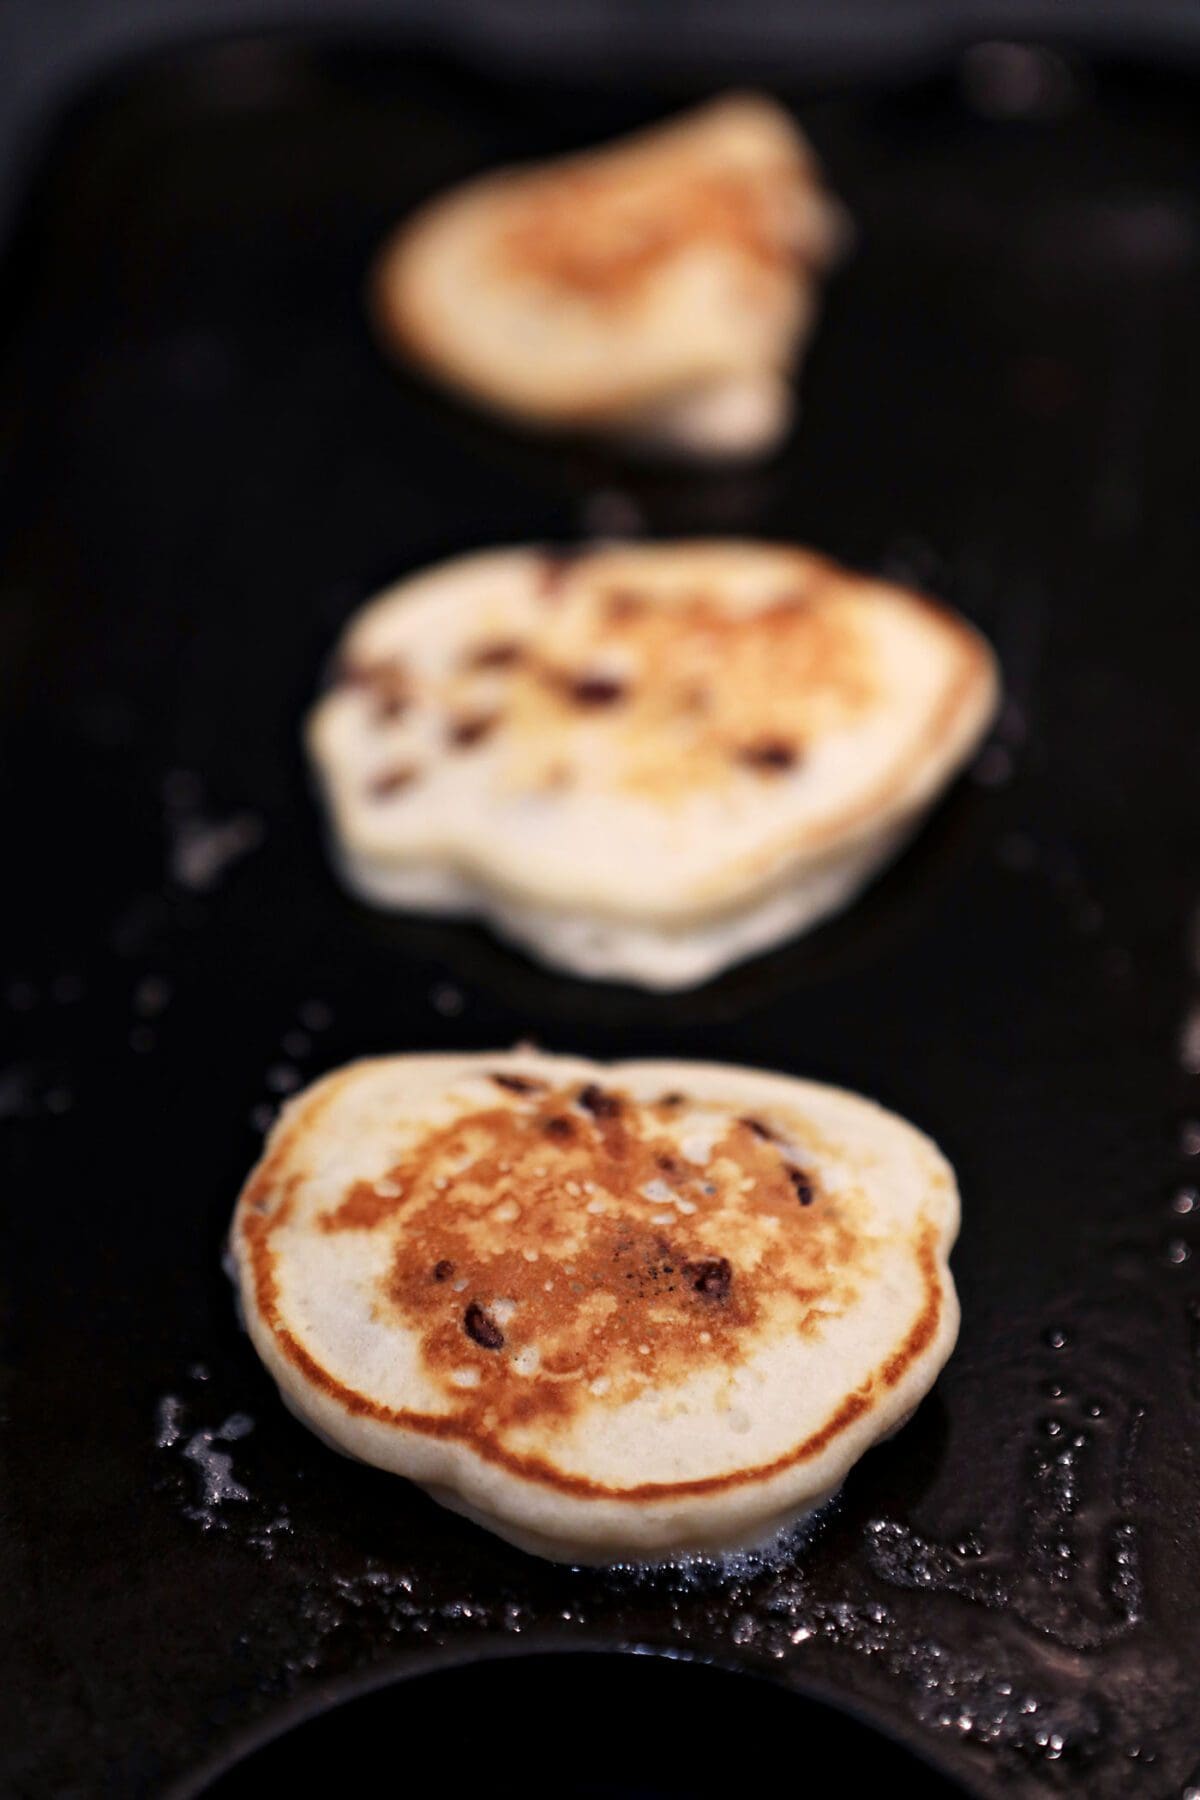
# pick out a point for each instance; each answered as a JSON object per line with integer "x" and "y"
{"x": 609, "y": 1313}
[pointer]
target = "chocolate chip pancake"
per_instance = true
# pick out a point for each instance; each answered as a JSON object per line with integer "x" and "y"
{"x": 609, "y": 1313}
{"x": 642, "y": 763}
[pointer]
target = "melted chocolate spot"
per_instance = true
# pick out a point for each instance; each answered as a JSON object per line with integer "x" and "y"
{"x": 483, "y": 1329}
{"x": 671, "y": 1099}
{"x": 593, "y": 1099}
{"x": 559, "y": 1127}
{"x": 711, "y": 1277}
{"x": 500, "y": 655}
{"x": 769, "y": 755}
{"x": 466, "y": 732}
{"x": 595, "y": 690}
{"x": 443, "y": 1270}
{"x": 802, "y": 1185}
{"x": 519, "y": 1084}
{"x": 391, "y": 782}
{"x": 759, "y": 1129}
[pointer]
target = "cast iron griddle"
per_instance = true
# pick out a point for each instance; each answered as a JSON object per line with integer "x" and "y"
{"x": 207, "y": 467}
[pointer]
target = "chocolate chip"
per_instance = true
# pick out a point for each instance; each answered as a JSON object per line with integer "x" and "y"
{"x": 558, "y": 1127}
{"x": 595, "y": 690}
{"x": 479, "y": 1325}
{"x": 465, "y": 732}
{"x": 593, "y": 1099}
{"x": 391, "y": 782}
{"x": 442, "y": 1271}
{"x": 758, "y": 1128}
{"x": 519, "y": 1084}
{"x": 669, "y": 1165}
{"x": 711, "y": 1277}
{"x": 769, "y": 755}
{"x": 500, "y": 655}
{"x": 385, "y": 681}
{"x": 802, "y": 1185}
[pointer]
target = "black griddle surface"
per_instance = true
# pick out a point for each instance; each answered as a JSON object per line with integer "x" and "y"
{"x": 205, "y": 468}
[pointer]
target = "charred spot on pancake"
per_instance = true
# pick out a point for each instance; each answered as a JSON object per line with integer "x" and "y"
{"x": 594, "y": 690}
{"x": 443, "y": 1270}
{"x": 519, "y": 1084}
{"x": 559, "y": 1126}
{"x": 711, "y": 1276}
{"x": 769, "y": 756}
{"x": 802, "y": 1185}
{"x": 472, "y": 730}
{"x": 502, "y": 653}
{"x": 601, "y": 1105}
{"x": 392, "y": 781}
{"x": 483, "y": 1329}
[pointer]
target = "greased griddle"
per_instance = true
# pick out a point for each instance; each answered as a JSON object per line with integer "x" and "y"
{"x": 206, "y": 467}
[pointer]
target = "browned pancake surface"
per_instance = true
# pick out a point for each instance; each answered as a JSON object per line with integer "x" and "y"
{"x": 527, "y": 1228}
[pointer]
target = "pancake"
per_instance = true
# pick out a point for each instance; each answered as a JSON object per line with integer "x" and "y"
{"x": 641, "y": 763}
{"x": 610, "y": 1313}
{"x": 660, "y": 288}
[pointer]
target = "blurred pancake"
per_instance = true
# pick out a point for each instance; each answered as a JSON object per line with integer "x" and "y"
{"x": 660, "y": 288}
{"x": 642, "y": 763}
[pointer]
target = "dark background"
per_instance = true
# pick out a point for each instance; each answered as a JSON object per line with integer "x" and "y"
{"x": 204, "y": 468}
{"x": 52, "y": 49}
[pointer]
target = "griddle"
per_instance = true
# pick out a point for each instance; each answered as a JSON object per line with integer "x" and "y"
{"x": 206, "y": 467}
